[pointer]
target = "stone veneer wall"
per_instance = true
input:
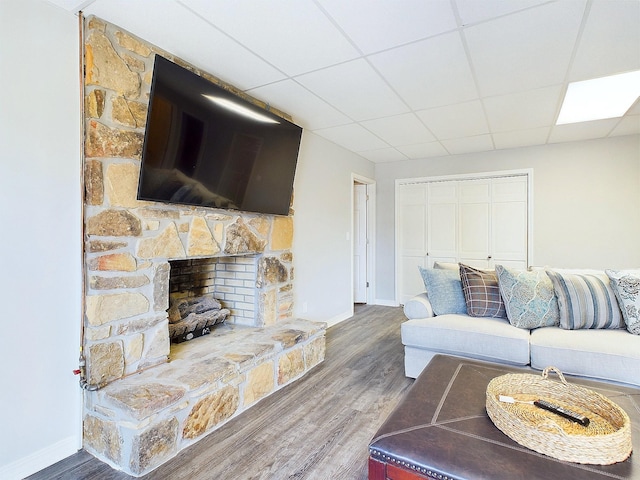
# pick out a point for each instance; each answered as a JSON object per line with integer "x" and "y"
{"x": 129, "y": 242}
{"x": 147, "y": 408}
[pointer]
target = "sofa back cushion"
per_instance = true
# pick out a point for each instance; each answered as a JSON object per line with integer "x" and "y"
{"x": 444, "y": 290}
{"x": 529, "y": 298}
{"x": 481, "y": 293}
{"x": 585, "y": 300}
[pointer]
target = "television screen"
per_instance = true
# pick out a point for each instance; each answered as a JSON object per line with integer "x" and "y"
{"x": 205, "y": 146}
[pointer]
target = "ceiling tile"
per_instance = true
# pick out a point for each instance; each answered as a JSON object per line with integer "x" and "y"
{"x": 71, "y": 5}
{"x": 353, "y": 137}
{"x": 521, "y": 138}
{"x": 383, "y": 155}
{"x": 480, "y": 143}
{"x": 399, "y": 130}
{"x": 525, "y": 50}
{"x": 635, "y": 108}
{"x": 629, "y": 125}
{"x": 523, "y": 111}
{"x": 164, "y": 28}
{"x": 430, "y": 73}
{"x": 582, "y": 131}
{"x": 293, "y": 35}
{"x": 424, "y": 150}
{"x": 307, "y": 110}
{"x": 402, "y": 69}
{"x": 455, "y": 121}
{"x": 375, "y": 25}
{"x": 610, "y": 42}
{"x": 474, "y": 11}
{"x": 356, "y": 88}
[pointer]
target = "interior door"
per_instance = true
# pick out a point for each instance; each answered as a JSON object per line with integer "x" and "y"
{"x": 360, "y": 243}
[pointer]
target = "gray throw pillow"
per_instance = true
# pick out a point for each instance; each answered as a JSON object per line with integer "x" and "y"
{"x": 444, "y": 290}
{"x": 626, "y": 286}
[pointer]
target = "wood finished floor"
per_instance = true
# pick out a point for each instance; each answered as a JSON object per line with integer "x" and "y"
{"x": 319, "y": 427}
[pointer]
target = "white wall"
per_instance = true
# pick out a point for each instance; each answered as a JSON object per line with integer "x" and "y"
{"x": 322, "y": 227}
{"x": 586, "y": 201}
{"x": 40, "y": 242}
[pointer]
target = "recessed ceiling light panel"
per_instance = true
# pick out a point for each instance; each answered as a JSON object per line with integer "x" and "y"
{"x": 600, "y": 98}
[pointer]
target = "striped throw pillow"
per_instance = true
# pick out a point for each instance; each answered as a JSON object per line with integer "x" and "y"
{"x": 481, "y": 293}
{"x": 585, "y": 300}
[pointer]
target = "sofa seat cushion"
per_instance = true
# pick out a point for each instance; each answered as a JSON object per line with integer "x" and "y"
{"x": 606, "y": 354}
{"x": 482, "y": 338}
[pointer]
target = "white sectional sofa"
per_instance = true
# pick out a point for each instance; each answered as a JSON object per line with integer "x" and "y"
{"x": 606, "y": 353}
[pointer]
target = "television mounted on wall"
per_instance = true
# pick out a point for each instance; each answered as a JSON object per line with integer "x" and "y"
{"x": 206, "y": 146}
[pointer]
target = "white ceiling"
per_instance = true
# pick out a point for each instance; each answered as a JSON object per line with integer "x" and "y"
{"x": 402, "y": 79}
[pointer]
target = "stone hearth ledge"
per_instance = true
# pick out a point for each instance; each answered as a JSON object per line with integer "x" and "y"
{"x": 139, "y": 422}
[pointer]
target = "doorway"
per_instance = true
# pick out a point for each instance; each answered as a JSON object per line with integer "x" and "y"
{"x": 362, "y": 239}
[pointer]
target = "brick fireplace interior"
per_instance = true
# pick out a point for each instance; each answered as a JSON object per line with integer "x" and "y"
{"x": 146, "y": 399}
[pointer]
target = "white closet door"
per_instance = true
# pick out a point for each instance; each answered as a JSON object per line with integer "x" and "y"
{"x": 479, "y": 222}
{"x": 442, "y": 225}
{"x": 509, "y": 221}
{"x": 412, "y": 239}
{"x": 475, "y": 222}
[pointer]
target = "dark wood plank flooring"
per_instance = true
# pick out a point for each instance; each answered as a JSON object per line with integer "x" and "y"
{"x": 319, "y": 427}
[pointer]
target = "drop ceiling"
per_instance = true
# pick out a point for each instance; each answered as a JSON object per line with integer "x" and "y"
{"x": 402, "y": 79}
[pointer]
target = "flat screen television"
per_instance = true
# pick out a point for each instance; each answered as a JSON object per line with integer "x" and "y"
{"x": 206, "y": 146}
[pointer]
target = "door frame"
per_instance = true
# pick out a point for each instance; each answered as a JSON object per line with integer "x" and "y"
{"x": 371, "y": 228}
{"x": 528, "y": 172}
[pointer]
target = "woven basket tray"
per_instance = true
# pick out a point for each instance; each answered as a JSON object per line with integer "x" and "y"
{"x": 606, "y": 440}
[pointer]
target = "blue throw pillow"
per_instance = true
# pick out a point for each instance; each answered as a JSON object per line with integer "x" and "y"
{"x": 444, "y": 290}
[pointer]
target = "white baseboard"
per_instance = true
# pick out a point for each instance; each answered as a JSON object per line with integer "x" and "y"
{"x": 39, "y": 460}
{"x": 387, "y": 303}
{"x": 339, "y": 318}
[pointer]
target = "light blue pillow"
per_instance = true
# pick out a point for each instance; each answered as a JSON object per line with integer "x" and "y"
{"x": 444, "y": 290}
{"x": 529, "y": 297}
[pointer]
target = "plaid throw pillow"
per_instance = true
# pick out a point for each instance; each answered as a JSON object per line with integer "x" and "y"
{"x": 481, "y": 293}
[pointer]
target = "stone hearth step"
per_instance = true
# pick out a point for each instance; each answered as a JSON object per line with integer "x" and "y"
{"x": 139, "y": 422}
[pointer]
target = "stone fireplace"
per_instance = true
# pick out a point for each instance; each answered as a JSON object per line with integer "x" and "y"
{"x": 145, "y": 398}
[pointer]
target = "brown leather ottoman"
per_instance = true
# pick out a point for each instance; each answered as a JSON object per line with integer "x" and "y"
{"x": 441, "y": 430}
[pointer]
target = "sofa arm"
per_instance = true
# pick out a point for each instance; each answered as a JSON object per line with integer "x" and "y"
{"x": 418, "y": 307}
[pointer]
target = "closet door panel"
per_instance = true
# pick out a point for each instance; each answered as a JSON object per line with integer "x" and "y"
{"x": 509, "y": 232}
{"x": 509, "y": 221}
{"x": 412, "y": 239}
{"x": 412, "y": 283}
{"x": 474, "y": 221}
{"x": 474, "y": 231}
{"x": 442, "y": 227}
